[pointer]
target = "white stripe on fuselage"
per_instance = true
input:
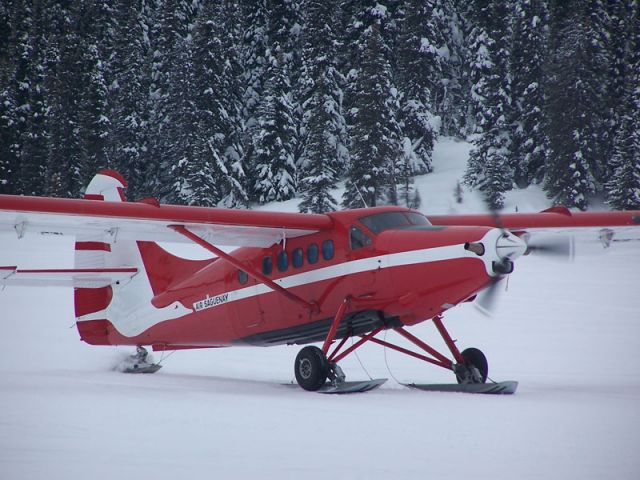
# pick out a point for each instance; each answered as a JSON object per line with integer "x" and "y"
{"x": 410, "y": 257}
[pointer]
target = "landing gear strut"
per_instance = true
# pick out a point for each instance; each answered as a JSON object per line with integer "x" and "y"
{"x": 314, "y": 366}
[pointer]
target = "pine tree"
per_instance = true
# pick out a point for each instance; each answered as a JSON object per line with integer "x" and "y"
{"x": 8, "y": 160}
{"x": 284, "y": 33}
{"x": 29, "y": 150}
{"x": 218, "y": 103}
{"x": 169, "y": 115}
{"x": 575, "y": 106}
{"x": 320, "y": 173}
{"x": 528, "y": 56}
{"x": 375, "y": 133}
{"x": 324, "y": 155}
{"x": 276, "y": 125}
{"x": 450, "y": 97}
{"x": 253, "y": 64}
{"x": 620, "y": 26}
{"x": 623, "y": 189}
{"x": 274, "y": 164}
{"x": 94, "y": 29}
{"x": 488, "y": 169}
{"x": 66, "y": 149}
{"x": 129, "y": 96}
{"x": 420, "y": 70}
{"x": 235, "y": 169}
{"x": 192, "y": 172}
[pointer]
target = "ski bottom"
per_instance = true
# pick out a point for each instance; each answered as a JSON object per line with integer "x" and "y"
{"x": 142, "y": 368}
{"x": 352, "y": 387}
{"x": 499, "y": 388}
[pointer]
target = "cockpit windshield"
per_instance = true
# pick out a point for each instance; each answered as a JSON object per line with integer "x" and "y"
{"x": 379, "y": 222}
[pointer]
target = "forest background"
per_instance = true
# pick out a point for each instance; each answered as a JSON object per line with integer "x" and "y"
{"x": 232, "y": 103}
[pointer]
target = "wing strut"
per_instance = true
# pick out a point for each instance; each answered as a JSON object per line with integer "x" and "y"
{"x": 238, "y": 264}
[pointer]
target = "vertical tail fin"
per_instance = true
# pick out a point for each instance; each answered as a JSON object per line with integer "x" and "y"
{"x": 119, "y": 313}
{"x": 93, "y": 252}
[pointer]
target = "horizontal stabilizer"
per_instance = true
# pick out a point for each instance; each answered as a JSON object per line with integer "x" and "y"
{"x": 79, "y": 278}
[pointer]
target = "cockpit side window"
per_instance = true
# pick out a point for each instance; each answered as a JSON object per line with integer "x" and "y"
{"x": 358, "y": 239}
{"x": 380, "y": 222}
{"x": 417, "y": 219}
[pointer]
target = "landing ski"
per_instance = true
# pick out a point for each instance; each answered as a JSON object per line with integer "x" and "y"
{"x": 499, "y": 388}
{"x": 142, "y": 368}
{"x": 141, "y": 362}
{"x": 352, "y": 387}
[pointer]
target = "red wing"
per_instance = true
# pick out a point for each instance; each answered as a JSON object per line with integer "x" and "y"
{"x": 552, "y": 218}
{"x": 151, "y": 222}
{"x": 599, "y": 227}
{"x": 557, "y": 218}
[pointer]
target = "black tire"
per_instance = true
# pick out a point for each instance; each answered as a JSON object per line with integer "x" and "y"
{"x": 474, "y": 357}
{"x": 311, "y": 368}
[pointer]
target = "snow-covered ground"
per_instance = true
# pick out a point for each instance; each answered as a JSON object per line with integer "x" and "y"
{"x": 570, "y": 333}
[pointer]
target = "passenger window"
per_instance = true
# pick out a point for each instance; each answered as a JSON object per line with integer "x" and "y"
{"x": 327, "y": 249}
{"x": 267, "y": 265}
{"x": 358, "y": 239}
{"x": 283, "y": 261}
{"x": 312, "y": 253}
{"x": 297, "y": 258}
{"x": 242, "y": 277}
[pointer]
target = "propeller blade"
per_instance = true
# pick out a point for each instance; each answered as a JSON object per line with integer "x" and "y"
{"x": 557, "y": 247}
{"x": 487, "y": 299}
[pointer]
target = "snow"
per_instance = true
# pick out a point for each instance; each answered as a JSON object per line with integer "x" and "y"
{"x": 569, "y": 333}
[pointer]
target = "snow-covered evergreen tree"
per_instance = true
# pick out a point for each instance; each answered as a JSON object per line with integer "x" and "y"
{"x": 27, "y": 87}
{"x": 528, "y": 57}
{"x": 192, "y": 171}
{"x": 319, "y": 175}
{"x": 276, "y": 126}
{"x": 450, "y": 96}
{"x": 489, "y": 169}
{"x": 95, "y": 27}
{"x": 8, "y": 160}
{"x": 421, "y": 56}
{"x": 375, "y": 134}
{"x": 324, "y": 155}
{"x": 623, "y": 188}
{"x": 575, "y": 106}
{"x": 66, "y": 149}
{"x": 274, "y": 164}
{"x": 129, "y": 86}
{"x": 219, "y": 104}
{"x": 169, "y": 115}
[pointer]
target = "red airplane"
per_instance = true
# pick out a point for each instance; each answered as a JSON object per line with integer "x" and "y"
{"x": 296, "y": 278}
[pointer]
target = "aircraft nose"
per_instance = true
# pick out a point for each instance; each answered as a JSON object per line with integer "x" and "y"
{"x": 508, "y": 248}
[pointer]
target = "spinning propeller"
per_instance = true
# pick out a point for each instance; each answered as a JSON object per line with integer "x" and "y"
{"x": 544, "y": 245}
{"x": 556, "y": 247}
